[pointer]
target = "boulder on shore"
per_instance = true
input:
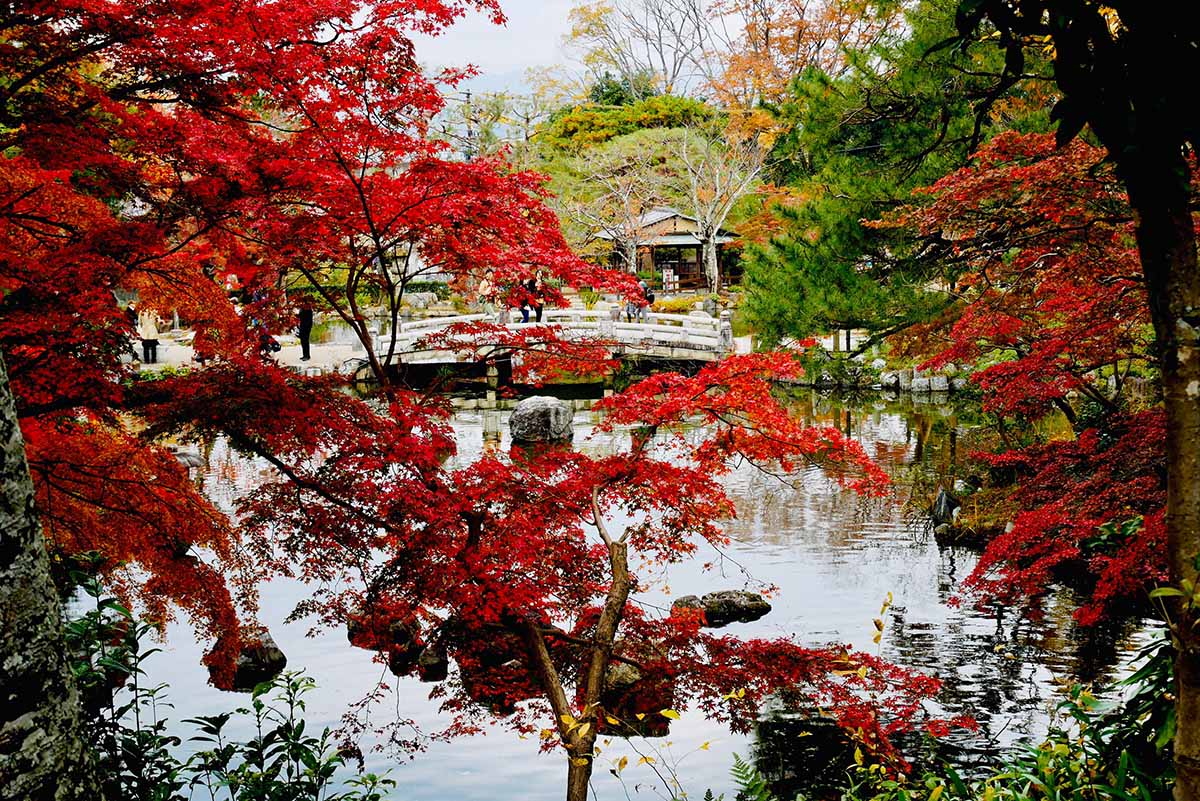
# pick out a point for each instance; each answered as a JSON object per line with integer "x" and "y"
{"x": 636, "y": 700}
{"x": 726, "y": 606}
{"x": 944, "y": 507}
{"x": 541, "y": 418}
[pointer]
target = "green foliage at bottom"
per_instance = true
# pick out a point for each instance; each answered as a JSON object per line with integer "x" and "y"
{"x": 137, "y": 760}
{"x": 1119, "y": 750}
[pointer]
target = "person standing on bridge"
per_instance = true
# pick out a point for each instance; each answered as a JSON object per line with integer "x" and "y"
{"x": 487, "y": 294}
{"x": 148, "y": 331}
{"x": 525, "y": 289}
{"x": 642, "y": 305}
{"x": 305, "y": 316}
{"x": 537, "y": 300}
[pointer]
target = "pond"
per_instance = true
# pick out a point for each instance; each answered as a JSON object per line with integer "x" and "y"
{"x": 834, "y": 557}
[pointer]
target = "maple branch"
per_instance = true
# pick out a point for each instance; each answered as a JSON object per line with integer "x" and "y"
{"x": 599, "y": 521}
{"x": 559, "y": 634}
{"x": 543, "y": 665}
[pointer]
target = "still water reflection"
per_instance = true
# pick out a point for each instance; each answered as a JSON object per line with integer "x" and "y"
{"x": 834, "y": 558}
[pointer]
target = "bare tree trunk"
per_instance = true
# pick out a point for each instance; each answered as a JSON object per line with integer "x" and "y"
{"x": 712, "y": 268}
{"x": 43, "y": 754}
{"x": 1167, "y": 246}
{"x": 629, "y": 248}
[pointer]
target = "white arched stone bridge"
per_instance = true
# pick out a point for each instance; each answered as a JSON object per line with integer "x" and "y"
{"x": 694, "y": 337}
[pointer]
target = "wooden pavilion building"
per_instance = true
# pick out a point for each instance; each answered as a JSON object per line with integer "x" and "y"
{"x": 668, "y": 247}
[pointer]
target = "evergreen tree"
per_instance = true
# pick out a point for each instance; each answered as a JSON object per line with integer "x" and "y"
{"x": 854, "y": 147}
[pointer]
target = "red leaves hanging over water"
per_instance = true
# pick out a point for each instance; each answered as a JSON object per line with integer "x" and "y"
{"x": 734, "y": 396}
{"x": 1054, "y": 317}
{"x": 1075, "y": 497}
{"x": 1042, "y": 243}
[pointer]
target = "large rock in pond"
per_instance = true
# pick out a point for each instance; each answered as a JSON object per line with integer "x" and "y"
{"x": 432, "y": 664}
{"x": 541, "y": 419}
{"x": 726, "y": 606}
{"x": 636, "y": 701}
{"x": 400, "y": 639}
{"x": 260, "y": 660}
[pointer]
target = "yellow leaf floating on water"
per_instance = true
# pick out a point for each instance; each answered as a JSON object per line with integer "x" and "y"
{"x": 669, "y": 713}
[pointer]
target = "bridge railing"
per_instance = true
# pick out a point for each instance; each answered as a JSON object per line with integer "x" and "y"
{"x": 679, "y": 331}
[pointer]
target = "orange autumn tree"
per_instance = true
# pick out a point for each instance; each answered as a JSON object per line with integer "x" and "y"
{"x": 776, "y": 40}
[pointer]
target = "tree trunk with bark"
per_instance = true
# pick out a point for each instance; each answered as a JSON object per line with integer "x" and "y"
{"x": 579, "y": 738}
{"x": 629, "y": 251}
{"x": 1166, "y": 240}
{"x": 712, "y": 267}
{"x": 43, "y": 753}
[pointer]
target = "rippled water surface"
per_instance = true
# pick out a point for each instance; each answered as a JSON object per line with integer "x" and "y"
{"x": 834, "y": 559}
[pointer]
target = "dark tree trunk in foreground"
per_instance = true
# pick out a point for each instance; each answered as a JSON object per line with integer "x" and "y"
{"x": 1126, "y": 69}
{"x": 1167, "y": 245}
{"x": 43, "y": 754}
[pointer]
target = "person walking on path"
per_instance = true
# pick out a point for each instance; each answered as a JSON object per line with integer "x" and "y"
{"x": 305, "y": 316}
{"x": 148, "y": 331}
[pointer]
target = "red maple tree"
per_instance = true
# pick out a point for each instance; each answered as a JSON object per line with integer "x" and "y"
{"x": 1053, "y": 312}
{"x": 163, "y": 147}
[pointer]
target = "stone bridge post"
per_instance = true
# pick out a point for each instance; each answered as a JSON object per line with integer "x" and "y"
{"x": 725, "y": 332}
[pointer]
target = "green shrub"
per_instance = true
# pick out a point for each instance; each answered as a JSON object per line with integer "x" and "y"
{"x": 679, "y": 305}
{"x": 135, "y": 756}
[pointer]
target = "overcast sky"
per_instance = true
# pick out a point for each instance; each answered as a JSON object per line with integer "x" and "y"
{"x": 532, "y": 38}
